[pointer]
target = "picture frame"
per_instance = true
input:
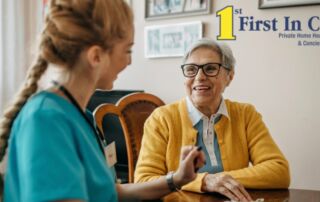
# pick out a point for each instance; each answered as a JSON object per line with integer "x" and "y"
{"x": 160, "y": 9}
{"x": 263, "y": 4}
{"x": 171, "y": 40}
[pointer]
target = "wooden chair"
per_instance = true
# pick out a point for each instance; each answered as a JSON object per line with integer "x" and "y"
{"x": 132, "y": 110}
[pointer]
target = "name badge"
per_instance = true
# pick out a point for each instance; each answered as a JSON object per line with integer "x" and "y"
{"x": 110, "y": 153}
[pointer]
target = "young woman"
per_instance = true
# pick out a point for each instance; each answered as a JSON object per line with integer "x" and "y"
{"x": 55, "y": 153}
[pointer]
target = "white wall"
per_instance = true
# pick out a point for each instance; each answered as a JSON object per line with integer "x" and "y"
{"x": 280, "y": 78}
{"x": 17, "y": 35}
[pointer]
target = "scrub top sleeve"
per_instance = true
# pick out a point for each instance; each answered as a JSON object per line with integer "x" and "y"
{"x": 49, "y": 162}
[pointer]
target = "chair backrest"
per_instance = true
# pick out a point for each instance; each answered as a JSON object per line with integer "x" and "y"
{"x": 133, "y": 110}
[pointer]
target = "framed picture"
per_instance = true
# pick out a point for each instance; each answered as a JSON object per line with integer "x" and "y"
{"x": 159, "y": 9}
{"x": 171, "y": 40}
{"x": 285, "y": 3}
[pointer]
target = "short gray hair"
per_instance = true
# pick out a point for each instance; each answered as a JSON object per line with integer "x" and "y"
{"x": 225, "y": 52}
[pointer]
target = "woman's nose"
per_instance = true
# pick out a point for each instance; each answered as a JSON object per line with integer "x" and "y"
{"x": 200, "y": 75}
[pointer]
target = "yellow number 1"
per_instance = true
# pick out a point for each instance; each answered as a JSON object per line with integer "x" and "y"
{"x": 226, "y": 23}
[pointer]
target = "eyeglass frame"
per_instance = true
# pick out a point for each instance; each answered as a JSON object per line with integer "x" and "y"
{"x": 201, "y": 67}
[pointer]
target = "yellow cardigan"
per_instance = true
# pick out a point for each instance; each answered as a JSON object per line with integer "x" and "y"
{"x": 242, "y": 139}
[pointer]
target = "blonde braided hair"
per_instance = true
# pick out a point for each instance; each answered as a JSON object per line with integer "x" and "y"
{"x": 70, "y": 27}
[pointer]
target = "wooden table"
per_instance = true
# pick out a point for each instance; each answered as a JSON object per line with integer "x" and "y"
{"x": 291, "y": 195}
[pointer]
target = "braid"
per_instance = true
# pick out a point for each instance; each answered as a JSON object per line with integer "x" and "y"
{"x": 28, "y": 89}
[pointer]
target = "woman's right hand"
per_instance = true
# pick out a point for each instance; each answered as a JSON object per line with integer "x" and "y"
{"x": 191, "y": 159}
{"x": 225, "y": 185}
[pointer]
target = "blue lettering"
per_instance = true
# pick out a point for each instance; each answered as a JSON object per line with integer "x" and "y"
{"x": 310, "y": 23}
{"x": 243, "y": 23}
{"x": 286, "y": 23}
{"x": 250, "y": 24}
{"x": 292, "y": 25}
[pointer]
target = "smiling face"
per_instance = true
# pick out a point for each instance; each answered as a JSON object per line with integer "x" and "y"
{"x": 115, "y": 61}
{"x": 206, "y": 92}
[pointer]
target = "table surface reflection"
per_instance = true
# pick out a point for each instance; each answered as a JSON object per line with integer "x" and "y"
{"x": 284, "y": 195}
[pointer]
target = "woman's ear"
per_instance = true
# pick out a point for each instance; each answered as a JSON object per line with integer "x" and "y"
{"x": 230, "y": 76}
{"x": 94, "y": 56}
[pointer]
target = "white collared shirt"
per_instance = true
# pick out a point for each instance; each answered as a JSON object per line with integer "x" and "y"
{"x": 208, "y": 133}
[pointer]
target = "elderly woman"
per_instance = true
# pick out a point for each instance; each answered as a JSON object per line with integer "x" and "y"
{"x": 240, "y": 152}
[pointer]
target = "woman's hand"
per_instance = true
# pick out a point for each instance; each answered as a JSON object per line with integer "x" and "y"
{"x": 191, "y": 159}
{"x": 225, "y": 185}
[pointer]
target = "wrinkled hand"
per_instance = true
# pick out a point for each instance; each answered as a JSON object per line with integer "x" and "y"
{"x": 190, "y": 160}
{"x": 225, "y": 185}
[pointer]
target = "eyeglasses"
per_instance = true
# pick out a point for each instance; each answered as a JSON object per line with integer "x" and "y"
{"x": 209, "y": 69}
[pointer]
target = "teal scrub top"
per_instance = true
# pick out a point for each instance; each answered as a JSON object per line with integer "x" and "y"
{"x": 54, "y": 155}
